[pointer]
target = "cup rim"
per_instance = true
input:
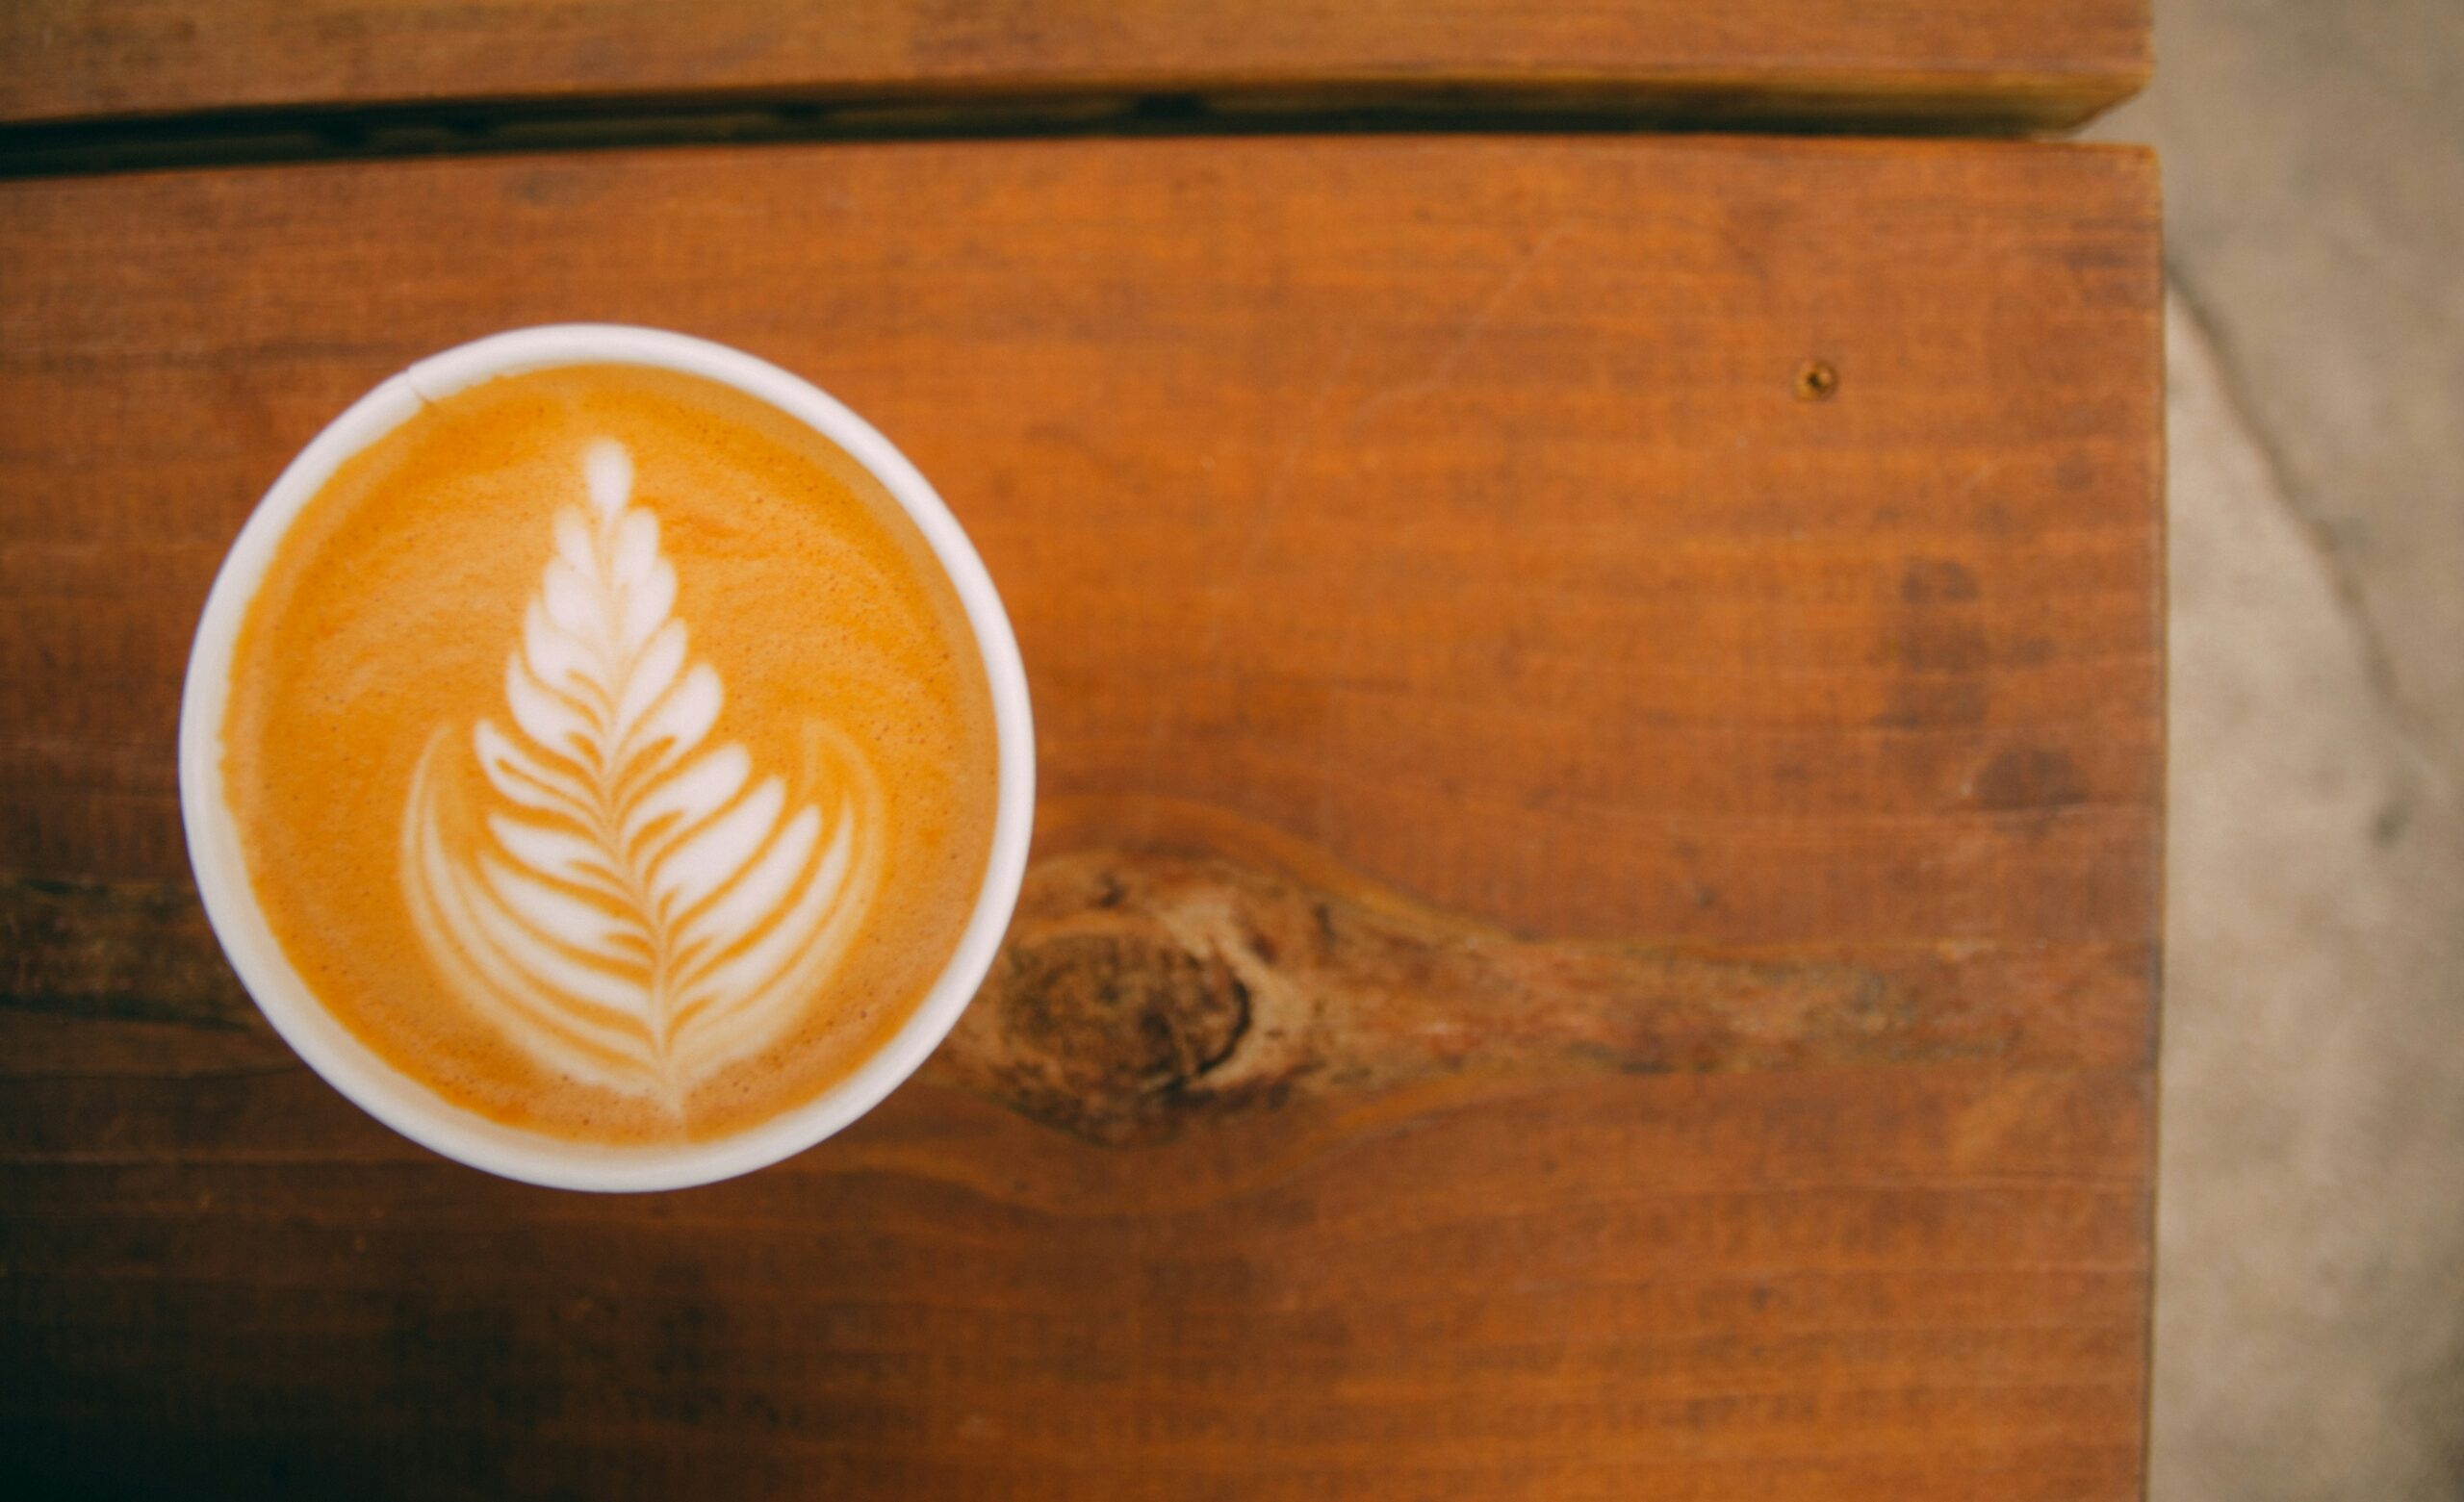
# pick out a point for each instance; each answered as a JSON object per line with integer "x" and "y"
{"x": 397, "y": 1098}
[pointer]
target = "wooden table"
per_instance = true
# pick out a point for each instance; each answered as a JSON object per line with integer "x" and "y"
{"x": 1594, "y": 922}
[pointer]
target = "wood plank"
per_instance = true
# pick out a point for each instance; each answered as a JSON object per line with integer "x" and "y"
{"x": 1142, "y": 994}
{"x": 1442, "y": 535}
{"x": 2028, "y": 63}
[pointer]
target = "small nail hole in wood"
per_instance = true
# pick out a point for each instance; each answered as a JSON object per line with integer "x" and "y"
{"x": 1818, "y": 381}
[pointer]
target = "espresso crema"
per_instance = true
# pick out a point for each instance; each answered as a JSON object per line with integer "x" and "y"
{"x": 611, "y": 754}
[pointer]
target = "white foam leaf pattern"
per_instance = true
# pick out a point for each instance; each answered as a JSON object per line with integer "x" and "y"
{"x": 640, "y": 908}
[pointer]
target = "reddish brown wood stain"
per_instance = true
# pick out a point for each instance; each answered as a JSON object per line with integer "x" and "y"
{"x": 2039, "y": 62}
{"x": 1447, "y": 506}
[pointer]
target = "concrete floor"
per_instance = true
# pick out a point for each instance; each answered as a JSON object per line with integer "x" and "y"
{"x": 2310, "y": 1287}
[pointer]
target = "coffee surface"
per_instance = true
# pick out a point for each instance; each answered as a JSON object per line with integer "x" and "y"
{"x": 611, "y": 754}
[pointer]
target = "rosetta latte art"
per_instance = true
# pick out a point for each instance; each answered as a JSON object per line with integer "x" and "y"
{"x": 634, "y": 907}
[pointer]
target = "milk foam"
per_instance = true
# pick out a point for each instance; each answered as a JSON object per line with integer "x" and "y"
{"x": 610, "y": 760}
{"x": 638, "y": 906}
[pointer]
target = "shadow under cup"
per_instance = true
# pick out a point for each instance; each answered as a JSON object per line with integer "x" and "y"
{"x": 268, "y": 970}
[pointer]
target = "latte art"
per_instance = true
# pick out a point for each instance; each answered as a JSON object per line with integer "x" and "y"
{"x": 610, "y": 755}
{"x": 646, "y": 907}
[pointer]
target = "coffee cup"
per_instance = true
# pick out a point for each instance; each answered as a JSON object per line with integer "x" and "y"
{"x": 605, "y": 760}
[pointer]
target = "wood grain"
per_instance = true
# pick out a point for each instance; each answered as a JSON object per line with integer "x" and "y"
{"x": 1142, "y": 994}
{"x": 2039, "y": 62}
{"x": 1443, "y": 530}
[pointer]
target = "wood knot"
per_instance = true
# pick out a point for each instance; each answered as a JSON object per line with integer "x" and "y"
{"x": 1126, "y": 1010}
{"x": 1145, "y": 993}
{"x": 1104, "y": 1027}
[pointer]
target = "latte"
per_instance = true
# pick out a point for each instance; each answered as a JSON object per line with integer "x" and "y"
{"x": 608, "y": 752}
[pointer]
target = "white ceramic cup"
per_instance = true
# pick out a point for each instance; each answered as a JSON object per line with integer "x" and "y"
{"x": 396, "y": 1099}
